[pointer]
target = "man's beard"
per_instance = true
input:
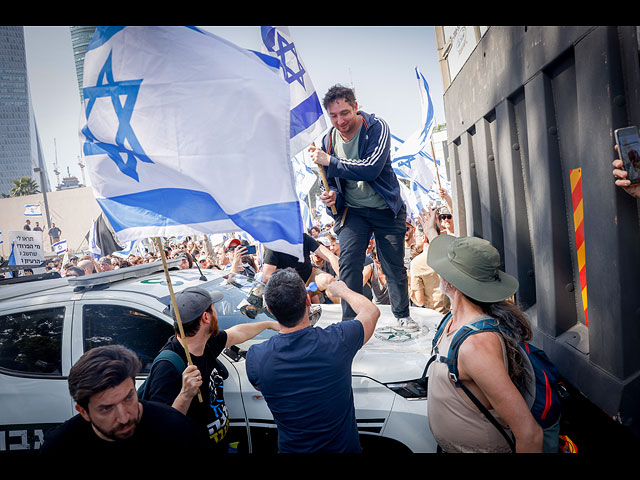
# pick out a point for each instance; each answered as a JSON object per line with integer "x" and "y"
{"x": 213, "y": 329}
{"x": 113, "y": 434}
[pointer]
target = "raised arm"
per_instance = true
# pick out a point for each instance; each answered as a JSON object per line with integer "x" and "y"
{"x": 366, "y": 312}
{"x": 246, "y": 331}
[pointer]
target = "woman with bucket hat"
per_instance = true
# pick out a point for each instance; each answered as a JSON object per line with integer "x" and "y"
{"x": 489, "y": 364}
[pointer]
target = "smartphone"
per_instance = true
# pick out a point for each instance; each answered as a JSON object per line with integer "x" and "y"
{"x": 629, "y": 152}
{"x": 251, "y": 249}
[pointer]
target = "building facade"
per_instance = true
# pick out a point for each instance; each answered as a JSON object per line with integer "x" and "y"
{"x": 20, "y": 151}
{"x": 80, "y": 39}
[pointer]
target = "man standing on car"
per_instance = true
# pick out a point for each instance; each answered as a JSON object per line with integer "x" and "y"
{"x": 205, "y": 343}
{"x": 366, "y": 194}
{"x": 304, "y": 372}
{"x": 113, "y": 422}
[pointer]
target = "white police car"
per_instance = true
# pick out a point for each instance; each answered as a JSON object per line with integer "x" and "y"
{"x": 46, "y": 325}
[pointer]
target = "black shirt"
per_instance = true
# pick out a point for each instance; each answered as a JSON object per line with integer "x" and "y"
{"x": 165, "y": 382}
{"x": 162, "y": 430}
{"x": 284, "y": 260}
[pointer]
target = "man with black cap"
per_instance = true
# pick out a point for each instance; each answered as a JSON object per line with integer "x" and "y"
{"x": 205, "y": 343}
{"x": 470, "y": 275}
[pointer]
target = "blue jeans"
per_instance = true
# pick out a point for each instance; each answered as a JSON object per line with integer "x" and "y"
{"x": 354, "y": 236}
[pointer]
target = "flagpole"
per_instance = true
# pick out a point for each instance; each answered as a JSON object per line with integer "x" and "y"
{"x": 436, "y": 164}
{"x": 325, "y": 183}
{"x": 175, "y": 306}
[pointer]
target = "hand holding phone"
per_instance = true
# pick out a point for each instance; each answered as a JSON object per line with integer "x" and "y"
{"x": 628, "y": 146}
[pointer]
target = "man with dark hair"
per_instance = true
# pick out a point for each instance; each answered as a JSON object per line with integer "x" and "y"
{"x": 366, "y": 194}
{"x": 308, "y": 272}
{"x": 304, "y": 372}
{"x": 206, "y": 375}
{"x": 112, "y": 420}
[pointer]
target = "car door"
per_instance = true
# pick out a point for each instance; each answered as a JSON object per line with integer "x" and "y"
{"x": 34, "y": 363}
{"x": 135, "y": 326}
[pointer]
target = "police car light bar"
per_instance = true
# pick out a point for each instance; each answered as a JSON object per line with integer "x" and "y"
{"x": 119, "y": 274}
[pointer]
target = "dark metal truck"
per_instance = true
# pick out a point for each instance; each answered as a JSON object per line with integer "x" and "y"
{"x": 531, "y": 116}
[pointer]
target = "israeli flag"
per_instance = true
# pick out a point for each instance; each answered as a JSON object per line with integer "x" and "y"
{"x": 307, "y": 119}
{"x": 60, "y": 247}
{"x": 133, "y": 247}
{"x": 185, "y": 133}
{"x": 305, "y": 180}
{"x": 94, "y": 248}
{"x": 32, "y": 210}
{"x": 413, "y": 157}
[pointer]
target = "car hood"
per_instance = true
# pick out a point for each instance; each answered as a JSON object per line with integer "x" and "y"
{"x": 389, "y": 360}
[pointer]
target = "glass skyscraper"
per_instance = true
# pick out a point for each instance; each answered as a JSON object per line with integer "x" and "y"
{"x": 80, "y": 39}
{"x": 20, "y": 150}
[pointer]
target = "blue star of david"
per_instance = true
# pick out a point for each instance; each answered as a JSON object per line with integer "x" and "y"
{"x": 284, "y": 48}
{"x": 128, "y": 90}
{"x": 405, "y": 161}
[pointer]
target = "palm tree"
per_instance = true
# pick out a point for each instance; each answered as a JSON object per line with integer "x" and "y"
{"x": 24, "y": 186}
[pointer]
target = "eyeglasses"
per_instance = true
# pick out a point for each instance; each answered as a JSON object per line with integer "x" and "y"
{"x": 444, "y": 217}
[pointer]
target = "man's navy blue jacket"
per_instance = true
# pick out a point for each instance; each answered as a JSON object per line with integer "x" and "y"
{"x": 374, "y": 165}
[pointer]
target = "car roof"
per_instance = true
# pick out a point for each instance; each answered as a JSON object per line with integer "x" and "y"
{"x": 148, "y": 279}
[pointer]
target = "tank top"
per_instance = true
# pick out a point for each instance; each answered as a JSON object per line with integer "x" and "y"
{"x": 457, "y": 425}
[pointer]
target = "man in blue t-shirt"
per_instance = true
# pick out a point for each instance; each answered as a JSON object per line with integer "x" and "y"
{"x": 304, "y": 373}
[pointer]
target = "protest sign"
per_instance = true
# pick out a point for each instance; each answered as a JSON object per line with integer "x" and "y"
{"x": 26, "y": 249}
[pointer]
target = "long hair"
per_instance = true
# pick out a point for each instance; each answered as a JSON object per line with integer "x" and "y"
{"x": 516, "y": 328}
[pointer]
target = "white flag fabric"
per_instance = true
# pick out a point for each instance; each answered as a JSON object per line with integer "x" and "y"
{"x": 32, "y": 210}
{"x": 94, "y": 248}
{"x": 413, "y": 157}
{"x": 60, "y": 247}
{"x": 305, "y": 180}
{"x": 133, "y": 247}
{"x": 307, "y": 119}
{"x": 185, "y": 133}
{"x": 305, "y": 177}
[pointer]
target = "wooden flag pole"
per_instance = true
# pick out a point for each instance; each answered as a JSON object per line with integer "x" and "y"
{"x": 436, "y": 164}
{"x": 325, "y": 183}
{"x": 175, "y": 306}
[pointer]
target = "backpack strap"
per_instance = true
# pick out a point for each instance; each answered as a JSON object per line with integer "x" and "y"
{"x": 164, "y": 355}
{"x": 172, "y": 357}
{"x": 485, "y": 325}
{"x": 434, "y": 350}
{"x": 439, "y": 329}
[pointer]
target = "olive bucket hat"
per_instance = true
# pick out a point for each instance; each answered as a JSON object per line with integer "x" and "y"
{"x": 471, "y": 265}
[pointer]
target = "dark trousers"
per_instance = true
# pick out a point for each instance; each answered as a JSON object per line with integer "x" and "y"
{"x": 354, "y": 236}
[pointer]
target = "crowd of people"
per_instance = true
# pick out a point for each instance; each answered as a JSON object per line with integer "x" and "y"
{"x": 372, "y": 254}
{"x": 322, "y": 254}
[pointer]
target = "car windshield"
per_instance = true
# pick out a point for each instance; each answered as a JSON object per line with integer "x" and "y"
{"x": 243, "y": 302}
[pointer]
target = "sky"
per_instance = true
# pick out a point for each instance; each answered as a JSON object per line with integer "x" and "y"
{"x": 378, "y": 61}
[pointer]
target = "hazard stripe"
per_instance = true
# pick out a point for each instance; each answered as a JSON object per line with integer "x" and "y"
{"x": 575, "y": 177}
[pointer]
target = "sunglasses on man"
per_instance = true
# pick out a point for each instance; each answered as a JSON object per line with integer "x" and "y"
{"x": 444, "y": 217}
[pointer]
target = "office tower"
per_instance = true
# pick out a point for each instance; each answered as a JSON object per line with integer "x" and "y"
{"x": 20, "y": 151}
{"x": 80, "y": 39}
